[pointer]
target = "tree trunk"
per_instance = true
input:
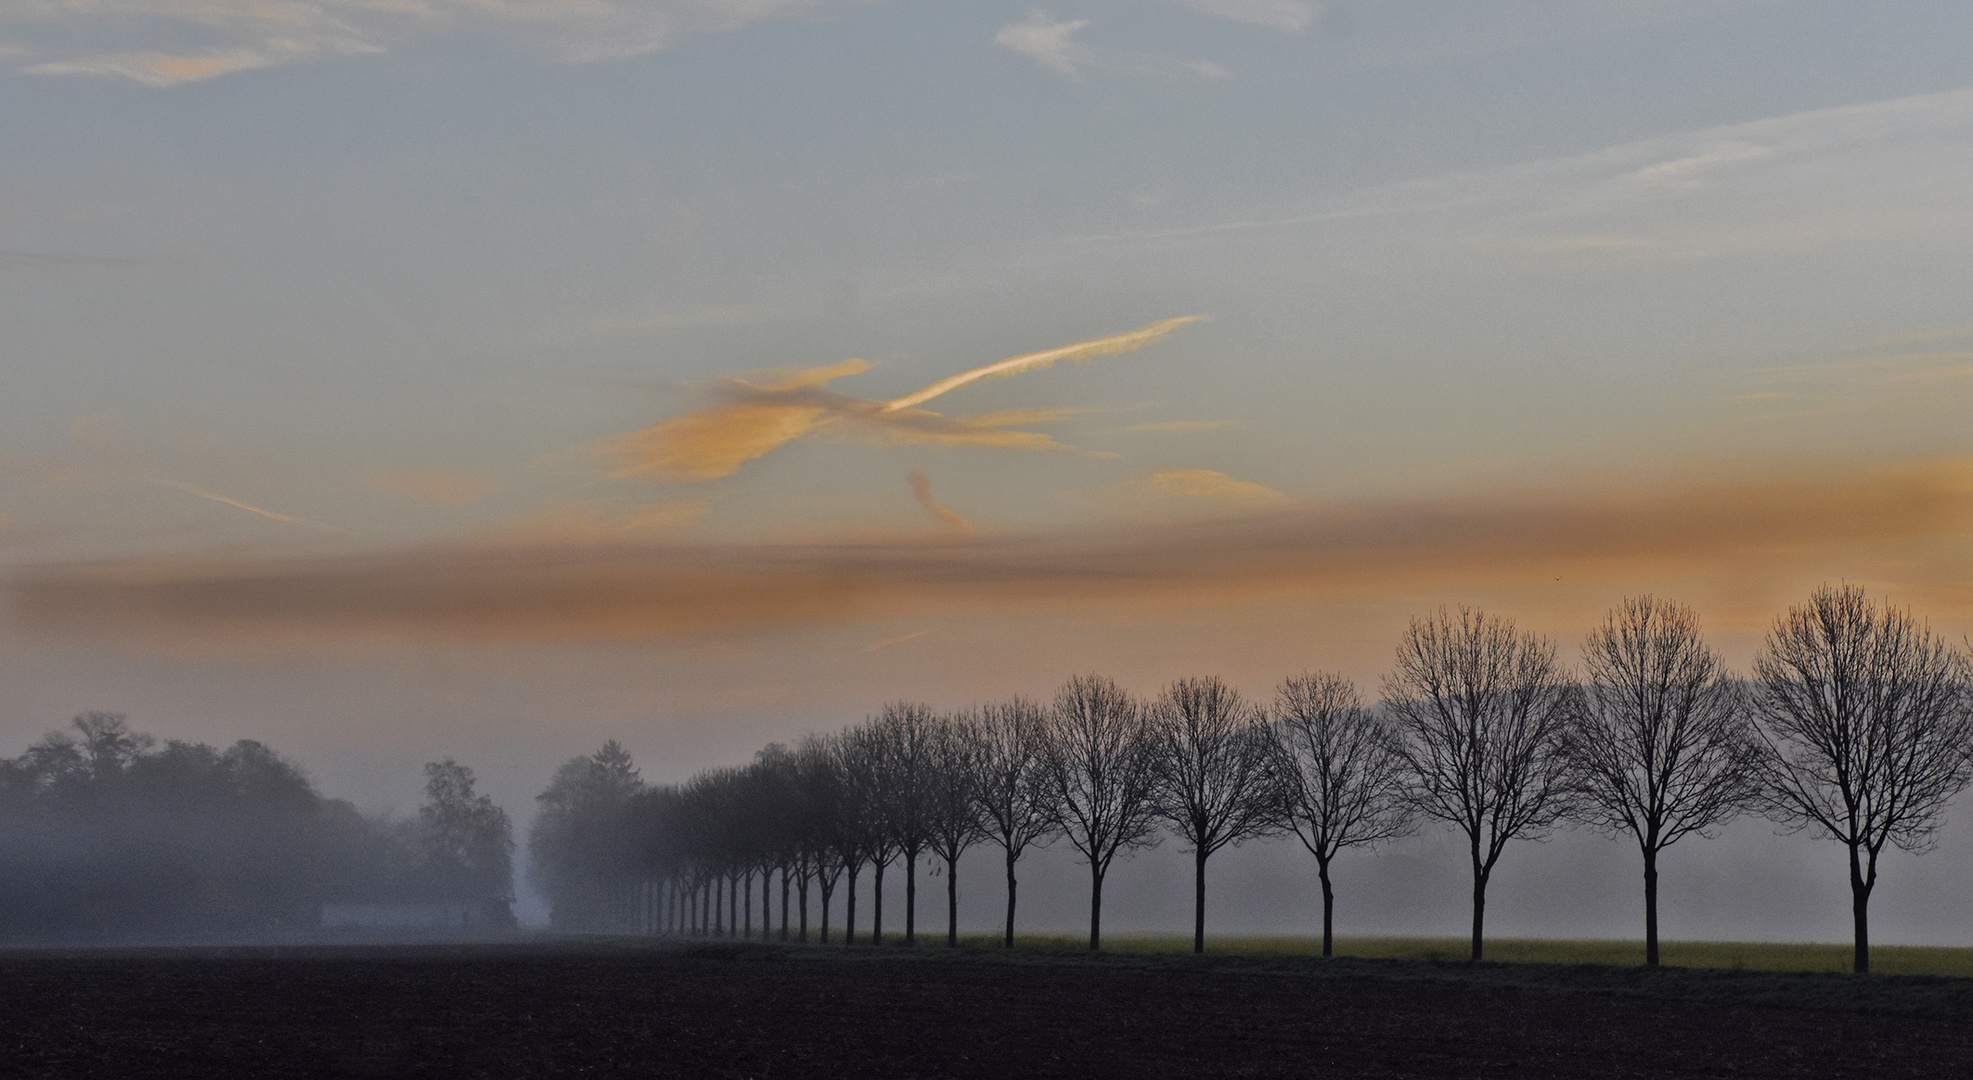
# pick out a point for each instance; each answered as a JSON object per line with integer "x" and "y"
{"x": 801, "y": 888}
{"x": 1328, "y": 909}
{"x": 1651, "y": 907}
{"x": 784, "y": 902}
{"x": 1010, "y": 898}
{"x": 749, "y": 906}
{"x": 911, "y": 899}
{"x": 1479, "y": 900}
{"x": 951, "y": 903}
{"x": 1860, "y": 909}
{"x": 849, "y": 908}
{"x": 1199, "y": 900}
{"x": 719, "y": 906}
{"x": 877, "y": 905}
{"x": 1095, "y": 907}
{"x": 828, "y": 887}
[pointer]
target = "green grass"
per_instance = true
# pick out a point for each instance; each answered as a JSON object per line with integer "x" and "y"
{"x": 1728, "y": 955}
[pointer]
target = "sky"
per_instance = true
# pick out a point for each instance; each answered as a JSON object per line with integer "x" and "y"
{"x": 397, "y": 379}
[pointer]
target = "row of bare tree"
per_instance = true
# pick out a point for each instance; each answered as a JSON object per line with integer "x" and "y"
{"x": 1856, "y": 723}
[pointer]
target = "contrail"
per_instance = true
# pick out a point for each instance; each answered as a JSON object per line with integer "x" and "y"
{"x": 878, "y": 646}
{"x": 1081, "y": 350}
{"x": 754, "y": 419}
{"x": 194, "y": 489}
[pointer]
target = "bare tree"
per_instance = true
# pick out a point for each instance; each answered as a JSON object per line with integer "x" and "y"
{"x": 1481, "y": 710}
{"x": 1662, "y": 747}
{"x": 1864, "y": 722}
{"x": 901, "y": 747}
{"x": 1011, "y": 786}
{"x": 856, "y": 822}
{"x": 1101, "y": 776}
{"x": 953, "y": 808}
{"x": 1216, "y": 783}
{"x": 1342, "y": 777}
{"x": 818, "y": 795}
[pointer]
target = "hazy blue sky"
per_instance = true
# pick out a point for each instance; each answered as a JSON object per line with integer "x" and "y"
{"x": 389, "y": 379}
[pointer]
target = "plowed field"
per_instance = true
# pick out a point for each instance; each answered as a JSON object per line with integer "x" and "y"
{"x": 757, "y": 1011}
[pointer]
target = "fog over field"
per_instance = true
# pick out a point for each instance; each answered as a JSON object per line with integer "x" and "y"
{"x": 390, "y": 384}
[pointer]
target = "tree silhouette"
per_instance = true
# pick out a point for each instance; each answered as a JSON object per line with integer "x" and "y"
{"x": 468, "y": 839}
{"x": 901, "y": 738}
{"x": 1864, "y": 723}
{"x": 952, "y": 801}
{"x": 1216, "y": 781}
{"x": 1342, "y": 778}
{"x": 105, "y": 834}
{"x": 1661, "y": 747}
{"x": 1011, "y": 784}
{"x": 581, "y": 846}
{"x": 1481, "y": 712}
{"x": 1100, "y": 774}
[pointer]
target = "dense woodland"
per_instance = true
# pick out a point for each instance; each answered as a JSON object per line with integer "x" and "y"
{"x": 107, "y": 835}
{"x": 1855, "y": 723}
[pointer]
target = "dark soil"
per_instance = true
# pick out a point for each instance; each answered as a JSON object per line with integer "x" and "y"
{"x": 604, "y": 1009}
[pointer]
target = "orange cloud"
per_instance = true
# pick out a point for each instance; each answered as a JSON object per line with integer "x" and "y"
{"x": 756, "y": 418}
{"x": 921, "y": 489}
{"x": 1899, "y": 528}
{"x": 1208, "y": 484}
{"x": 714, "y": 442}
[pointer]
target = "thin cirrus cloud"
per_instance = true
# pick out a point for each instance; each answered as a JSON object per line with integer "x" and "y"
{"x": 1897, "y": 527}
{"x": 1209, "y": 485}
{"x": 1876, "y": 176}
{"x": 755, "y": 418}
{"x": 1052, "y": 43}
{"x": 167, "y": 42}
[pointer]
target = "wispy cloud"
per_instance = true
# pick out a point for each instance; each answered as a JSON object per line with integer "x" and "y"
{"x": 757, "y": 417}
{"x": 921, "y": 490}
{"x": 1052, "y": 43}
{"x": 167, "y": 42}
{"x": 1899, "y": 526}
{"x": 1209, "y": 485}
{"x": 1879, "y": 175}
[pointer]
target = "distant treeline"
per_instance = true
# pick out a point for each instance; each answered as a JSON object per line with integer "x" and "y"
{"x": 106, "y": 834}
{"x": 1856, "y": 723}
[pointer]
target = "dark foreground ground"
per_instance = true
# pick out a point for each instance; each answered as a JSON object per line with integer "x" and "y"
{"x": 602, "y": 1009}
